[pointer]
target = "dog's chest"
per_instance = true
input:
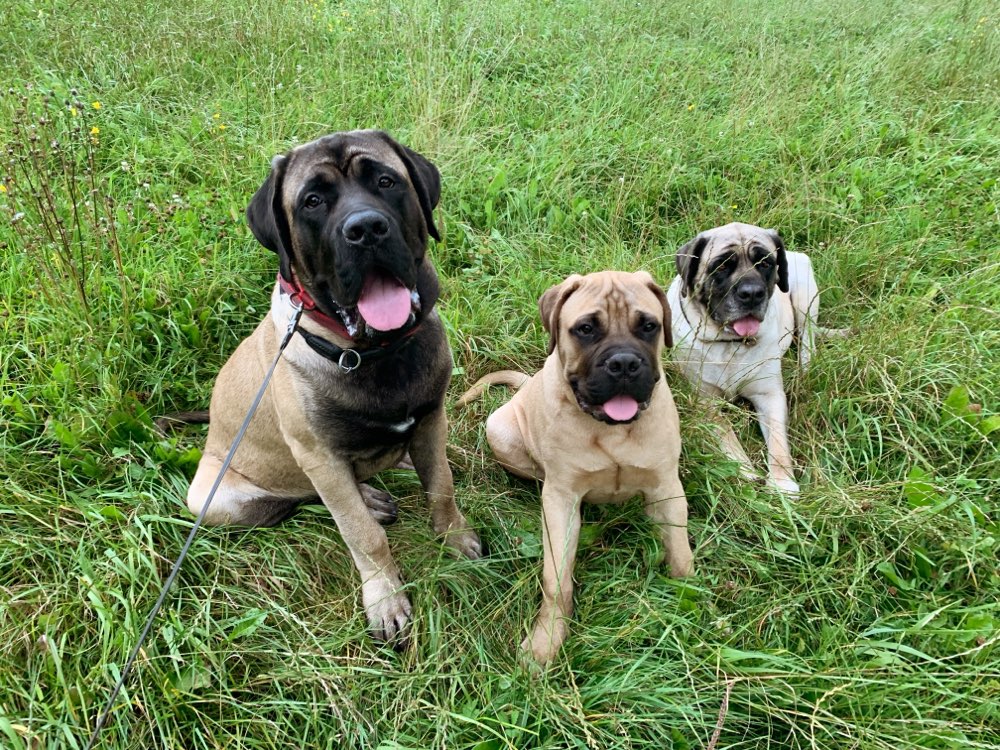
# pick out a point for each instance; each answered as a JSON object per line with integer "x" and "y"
{"x": 375, "y": 410}
{"x": 729, "y": 366}
{"x": 617, "y": 484}
{"x": 607, "y": 473}
{"x": 370, "y": 420}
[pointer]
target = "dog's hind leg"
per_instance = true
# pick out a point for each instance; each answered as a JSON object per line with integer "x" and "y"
{"x": 238, "y": 501}
{"x": 805, "y": 305}
{"x": 507, "y": 441}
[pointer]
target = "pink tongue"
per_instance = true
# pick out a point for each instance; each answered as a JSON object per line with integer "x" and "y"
{"x": 747, "y": 326}
{"x": 384, "y": 303}
{"x": 621, "y": 408}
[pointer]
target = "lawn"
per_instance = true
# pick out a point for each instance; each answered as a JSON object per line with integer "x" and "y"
{"x": 571, "y": 136}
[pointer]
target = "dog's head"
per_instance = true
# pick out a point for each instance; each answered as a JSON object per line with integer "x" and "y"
{"x": 731, "y": 271}
{"x": 608, "y": 329}
{"x": 349, "y": 215}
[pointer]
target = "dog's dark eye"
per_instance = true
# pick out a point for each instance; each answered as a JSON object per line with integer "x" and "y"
{"x": 767, "y": 261}
{"x": 386, "y": 182}
{"x": 585, "y": 329}
{"x": 312, "y": 200}
{"x": 649, "y": 326}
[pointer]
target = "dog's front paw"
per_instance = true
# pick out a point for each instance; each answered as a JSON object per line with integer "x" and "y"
{"x": 388, "y": 611}
{"x": 456, "y": 533}
{"x": 465, "y": 541}
{"x": 681, "y": 563}
{"x": 543, "y": 644}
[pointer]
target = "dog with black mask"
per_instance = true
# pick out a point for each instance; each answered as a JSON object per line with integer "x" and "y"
{"x": 362, "y": 383}
{"x": 738, "y": 300}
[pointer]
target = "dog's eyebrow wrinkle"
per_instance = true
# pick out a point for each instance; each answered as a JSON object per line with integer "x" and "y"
{"x": 615, "y": 297}
{"x": 350, "y": 155}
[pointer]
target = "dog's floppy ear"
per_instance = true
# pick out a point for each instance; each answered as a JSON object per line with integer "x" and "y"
{"x": 688, "y": 258}
{"x": 782, "y": 259}
{"x": 267, "y": 219}
{"x": 668, "y": 336}
{"x": 550, "y": 304}
{"x": 424, "y": 177}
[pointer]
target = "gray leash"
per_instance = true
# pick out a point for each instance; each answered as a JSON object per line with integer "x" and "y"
{"x": 130, "y": 662}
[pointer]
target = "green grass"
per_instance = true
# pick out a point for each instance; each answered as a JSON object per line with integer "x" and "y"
{"x": 571, "y": 136}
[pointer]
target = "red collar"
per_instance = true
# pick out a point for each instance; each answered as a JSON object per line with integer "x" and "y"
{"x": 301, "y": 297}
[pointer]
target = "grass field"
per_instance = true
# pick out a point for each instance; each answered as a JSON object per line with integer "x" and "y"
{"x": 571, "y": 136}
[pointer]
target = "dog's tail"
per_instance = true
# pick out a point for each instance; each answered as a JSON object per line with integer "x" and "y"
{"x": 511, "y": 378}
{"x": 170, "y": 422}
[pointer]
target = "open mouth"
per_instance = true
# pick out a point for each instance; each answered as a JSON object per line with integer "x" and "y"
{"x": 385, "y": 305}
{"x": 620, "y": 409}
{"x": 746, "y": 327}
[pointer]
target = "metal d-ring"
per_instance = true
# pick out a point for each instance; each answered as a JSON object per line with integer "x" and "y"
{"x": 344, "y": 366}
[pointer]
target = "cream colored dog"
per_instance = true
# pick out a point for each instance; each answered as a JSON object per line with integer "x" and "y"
{"x": 738, "y": 300}
{"x": 597, "y": 424}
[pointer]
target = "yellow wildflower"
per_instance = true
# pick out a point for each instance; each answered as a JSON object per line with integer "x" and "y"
{"x": 690, "y": 107}
{"x": 216, "y": 116}
{"x": 96, "y": 105}
{"x": 3, "y": 188}
{"x": 222, "y": 126}
{"x": 95, "y": 130}
{"x": 74, "y": 111}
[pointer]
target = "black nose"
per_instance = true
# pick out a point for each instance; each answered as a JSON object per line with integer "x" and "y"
{"x": 623, "y": 365}
{"x": 365, "y": 228}
{"x": 750, "y": 292}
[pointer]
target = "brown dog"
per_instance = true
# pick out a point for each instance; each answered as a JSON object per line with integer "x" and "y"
{"x": 364, "y": 380}
{"x": 597, "y": 424}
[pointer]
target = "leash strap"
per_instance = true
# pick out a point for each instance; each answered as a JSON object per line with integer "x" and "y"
{"x": 130, "y": 662}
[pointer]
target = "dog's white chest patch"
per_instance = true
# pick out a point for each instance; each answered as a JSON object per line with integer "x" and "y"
{"x": 402, "y": 426}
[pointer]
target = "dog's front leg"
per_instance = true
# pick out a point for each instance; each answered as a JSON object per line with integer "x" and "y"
{"x": 429, "y": 456}
{"x": 560, "y": 536}
{"x": 726, "y": 436}
{"x": 667, "y": 507}
{"x": 386, "y": 606}
{"x": 772, "y": 413}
